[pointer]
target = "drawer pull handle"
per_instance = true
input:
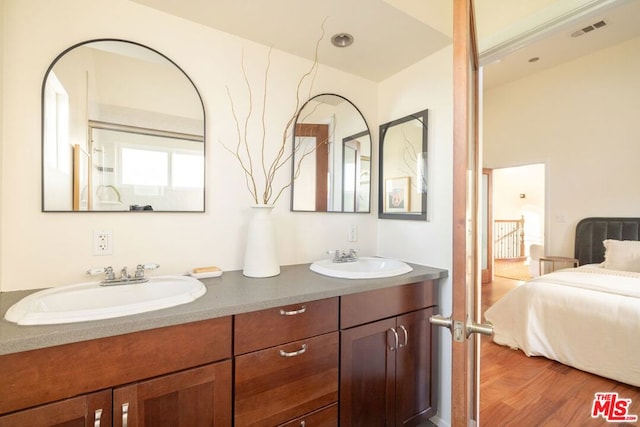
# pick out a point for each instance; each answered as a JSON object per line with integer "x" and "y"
{"x": 293, "y": 353}
{"x": 301, "y": 310}
{"x": 96, "y": 417}
{"x": 406, "y": 336}
{"x": 125, "y": 414}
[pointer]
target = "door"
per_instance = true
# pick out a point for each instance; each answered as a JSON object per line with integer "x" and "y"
{"x": 465, "y": 276}
{"x": 318, "y": 136}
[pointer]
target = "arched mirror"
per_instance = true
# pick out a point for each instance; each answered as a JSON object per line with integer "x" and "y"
{"x": 403, "y": 168}
{"x": 123, "y": 129}
{"x": 331, "y": 157}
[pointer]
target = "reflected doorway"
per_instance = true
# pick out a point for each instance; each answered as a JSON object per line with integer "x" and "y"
{"x": 518, "y": 220}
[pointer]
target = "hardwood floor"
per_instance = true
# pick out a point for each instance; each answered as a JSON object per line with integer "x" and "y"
{"x": 522, "y": 391}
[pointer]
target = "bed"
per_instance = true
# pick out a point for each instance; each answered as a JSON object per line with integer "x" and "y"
{"x": 586, "y": 317}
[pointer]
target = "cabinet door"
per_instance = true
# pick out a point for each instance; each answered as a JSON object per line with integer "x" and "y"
{"x": 196, "y": 397}
{"x": 367, "y": 372}
{"x": 415, "y": 382}
{"x": 90, "y": 410}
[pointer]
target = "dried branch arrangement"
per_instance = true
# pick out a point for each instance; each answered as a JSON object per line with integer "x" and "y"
{"x": 242, "y": 151}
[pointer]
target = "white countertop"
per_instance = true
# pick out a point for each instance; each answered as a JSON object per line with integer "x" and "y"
{"x": 232, "y": 293}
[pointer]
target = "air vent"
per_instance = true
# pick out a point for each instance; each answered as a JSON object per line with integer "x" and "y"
{"x": 589, "y": 28}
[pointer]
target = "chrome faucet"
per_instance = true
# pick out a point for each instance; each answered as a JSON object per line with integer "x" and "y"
{"x": 125, "y": 278}
{"x": 350, "y": 255}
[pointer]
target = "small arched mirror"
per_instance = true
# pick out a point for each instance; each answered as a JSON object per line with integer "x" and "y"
{"x": 123, "y": 129}
{"x": 331, "y": 157}
{"x": 403, "y": 168}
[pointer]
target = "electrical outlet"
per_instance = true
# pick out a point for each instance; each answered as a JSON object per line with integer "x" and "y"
{"x": 102, "y": 242}
{"x": 352, "y": 233}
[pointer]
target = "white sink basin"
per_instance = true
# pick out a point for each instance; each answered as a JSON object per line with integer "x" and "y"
{"x": 90, "y": 301}
{"x": 363, "y": 268}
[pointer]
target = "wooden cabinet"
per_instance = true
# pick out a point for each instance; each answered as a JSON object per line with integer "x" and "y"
{"x": 90, "y": 410}
{"x": 166, "y": 374}
{"x": 363, "y": 359}
{"x": 387, "y": 375}
{"x": 195, "y": 397}
{"x": 288, "y": 379}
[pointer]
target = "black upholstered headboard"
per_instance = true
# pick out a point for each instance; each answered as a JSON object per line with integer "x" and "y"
{"x": 591, "y": 232}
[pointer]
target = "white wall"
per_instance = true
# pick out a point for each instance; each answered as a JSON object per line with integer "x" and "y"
{"x": 427, "y": 84}
{"x": 579, "y": 119}
{"x": 49, "y": 249}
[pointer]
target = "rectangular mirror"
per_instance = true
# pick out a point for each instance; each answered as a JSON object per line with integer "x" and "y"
{"x": 403, "y": 168}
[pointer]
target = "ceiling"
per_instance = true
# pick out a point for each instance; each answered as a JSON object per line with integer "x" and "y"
{"x": 390, "y": 35}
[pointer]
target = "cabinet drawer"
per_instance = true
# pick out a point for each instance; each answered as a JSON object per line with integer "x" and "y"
{"x": 325, "y": 417}
{"x": 365, "y": 307}
{"x": 281, "y": 383}
{"x": 275, "y": 326}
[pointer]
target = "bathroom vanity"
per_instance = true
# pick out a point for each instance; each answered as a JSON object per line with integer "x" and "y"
{"x": 296, "y": 349}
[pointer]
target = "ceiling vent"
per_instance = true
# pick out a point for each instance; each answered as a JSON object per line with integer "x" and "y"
{"x": 589, "y": 28}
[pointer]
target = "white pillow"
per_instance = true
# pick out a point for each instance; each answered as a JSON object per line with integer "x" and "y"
{"x": 622, "y": 255}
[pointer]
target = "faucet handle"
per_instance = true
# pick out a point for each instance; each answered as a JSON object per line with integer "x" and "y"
{"x": 142, "y": 267}
{"x": 94, "y": 271}
{"x": 149, "y": 266}
{"x": 108, "y": 272}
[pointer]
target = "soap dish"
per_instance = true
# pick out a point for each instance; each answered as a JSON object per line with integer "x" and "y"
{"x": 206, "y": 274}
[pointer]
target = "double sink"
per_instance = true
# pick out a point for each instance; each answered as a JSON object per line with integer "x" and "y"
{"x": 91, "y": 301}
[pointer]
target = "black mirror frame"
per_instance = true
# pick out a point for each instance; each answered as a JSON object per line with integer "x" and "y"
{"x": 421, "y": 116}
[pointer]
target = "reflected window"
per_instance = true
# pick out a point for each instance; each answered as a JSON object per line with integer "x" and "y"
{"x": 144, "y": 167}
{"x": 187, "y": 170}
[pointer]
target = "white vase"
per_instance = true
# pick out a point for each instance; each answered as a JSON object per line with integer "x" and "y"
{"x": 260, "y": 256}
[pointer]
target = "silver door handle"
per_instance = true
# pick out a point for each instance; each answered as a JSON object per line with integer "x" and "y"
{"x": 478, "y": 328}
{"x": 440, "y": 320}
{"x": 459, "y": 329}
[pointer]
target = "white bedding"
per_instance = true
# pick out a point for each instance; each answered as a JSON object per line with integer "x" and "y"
{"x": 588, "y": 318}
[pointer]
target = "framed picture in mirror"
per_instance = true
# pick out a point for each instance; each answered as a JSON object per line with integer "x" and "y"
{"x": 403, "y": 185}
{"x": 397, "y": 195}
